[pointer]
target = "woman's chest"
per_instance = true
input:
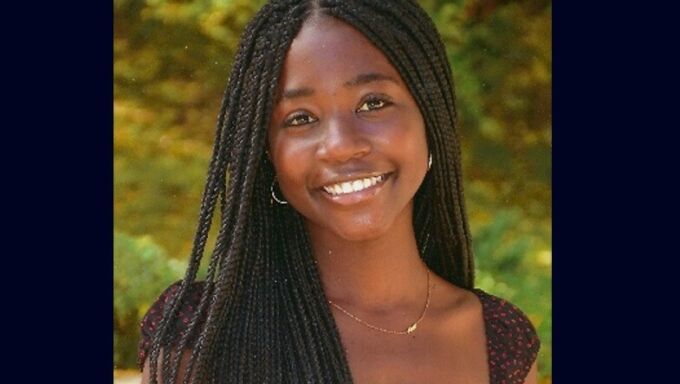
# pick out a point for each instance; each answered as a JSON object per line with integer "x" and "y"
{"x": 434, "y": 357}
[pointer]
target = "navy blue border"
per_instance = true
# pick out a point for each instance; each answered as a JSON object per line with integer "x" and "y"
{"x": 58, "y": 191}
{"x": 610, "y": 318}
{"x": 611, "y": 191}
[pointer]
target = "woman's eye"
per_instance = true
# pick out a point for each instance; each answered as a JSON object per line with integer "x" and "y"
{"x": 298, "y": 119}
{"x": 372, "y": 104}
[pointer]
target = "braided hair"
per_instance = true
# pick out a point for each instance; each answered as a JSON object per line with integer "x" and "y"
{"x": 263, "y": 316}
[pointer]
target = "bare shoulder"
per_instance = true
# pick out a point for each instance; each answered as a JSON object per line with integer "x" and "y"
{"x": 458, "y": 332}
{"x": 491, "y": 332}
{"x": 457, "y": 312}
{"x": 450, "y": 300}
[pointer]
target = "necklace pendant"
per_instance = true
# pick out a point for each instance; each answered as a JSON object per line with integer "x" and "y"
{"x": 412, "y": 328}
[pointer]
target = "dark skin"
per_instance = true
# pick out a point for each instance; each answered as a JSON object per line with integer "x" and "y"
{"x": 344, "y": 114}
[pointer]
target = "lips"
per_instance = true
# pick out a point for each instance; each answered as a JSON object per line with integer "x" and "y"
{"x": 355, "y": 190}
{"x": 355, "y": 185}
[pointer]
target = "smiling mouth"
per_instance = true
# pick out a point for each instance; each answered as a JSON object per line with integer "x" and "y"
{"x": 356, "y": 185}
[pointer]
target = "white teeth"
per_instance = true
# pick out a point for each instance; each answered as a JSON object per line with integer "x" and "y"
{"x": 346, "y": 187}
{"x": 353, "y": 186}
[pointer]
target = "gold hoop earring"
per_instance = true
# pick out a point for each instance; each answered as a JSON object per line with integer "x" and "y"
{"x": 274, "y": 197}
{"x": 429, "y": 162}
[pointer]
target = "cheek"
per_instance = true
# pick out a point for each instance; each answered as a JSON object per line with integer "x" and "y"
{"x": 404, "y": 137}
{"x": 291, "y": 159}
{"x": 417, "y": 123}
{"x": 417, "y": 136}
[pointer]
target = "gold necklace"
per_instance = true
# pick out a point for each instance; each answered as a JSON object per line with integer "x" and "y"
{"x": 408, "y": 330}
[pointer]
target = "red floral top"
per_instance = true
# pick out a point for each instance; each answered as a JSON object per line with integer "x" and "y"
{"x": 512, "y": 342}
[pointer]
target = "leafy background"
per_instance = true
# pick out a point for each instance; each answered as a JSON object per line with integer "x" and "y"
{"x": 171, "y": 64}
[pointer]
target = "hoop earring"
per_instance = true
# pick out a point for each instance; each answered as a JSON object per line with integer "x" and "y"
{"x": 429, "y": 162}
{"x": 274, "y": 197}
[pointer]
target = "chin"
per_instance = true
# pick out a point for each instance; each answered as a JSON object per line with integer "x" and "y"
{"x": 361, "y": 231}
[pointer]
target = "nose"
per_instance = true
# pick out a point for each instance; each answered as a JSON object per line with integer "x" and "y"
{"x": 343, "y": 140}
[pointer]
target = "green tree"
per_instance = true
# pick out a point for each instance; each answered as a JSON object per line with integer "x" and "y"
{"x": 141, "y": 270}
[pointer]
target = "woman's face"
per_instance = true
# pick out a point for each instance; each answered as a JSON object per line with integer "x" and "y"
{"x": 346, "y": 138}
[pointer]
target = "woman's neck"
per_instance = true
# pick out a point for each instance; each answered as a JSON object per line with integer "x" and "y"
{"x": 376, "y": 274}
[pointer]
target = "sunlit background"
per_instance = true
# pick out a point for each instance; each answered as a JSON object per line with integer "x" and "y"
{"x": 171, "y": 64}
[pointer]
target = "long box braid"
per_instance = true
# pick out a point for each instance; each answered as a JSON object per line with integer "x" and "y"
{"x": 266, "y": 316}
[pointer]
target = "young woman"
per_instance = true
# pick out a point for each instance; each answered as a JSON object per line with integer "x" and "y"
{"x": 343, "y": 253}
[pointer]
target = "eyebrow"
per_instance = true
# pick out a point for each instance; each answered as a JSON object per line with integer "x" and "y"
{"x": 369, "y": 78}
{"x": 361, "y": 79}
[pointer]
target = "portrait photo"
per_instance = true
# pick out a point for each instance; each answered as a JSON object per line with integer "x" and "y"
{"x": 332, "y": 191}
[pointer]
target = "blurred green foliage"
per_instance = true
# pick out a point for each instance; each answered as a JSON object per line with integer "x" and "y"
{"x": 513, "y": 262}
{"x": 141, "y": 270}
{"x": 171, "y": 65}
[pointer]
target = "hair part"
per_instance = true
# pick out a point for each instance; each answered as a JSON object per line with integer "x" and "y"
{"x": 263, "y": 315}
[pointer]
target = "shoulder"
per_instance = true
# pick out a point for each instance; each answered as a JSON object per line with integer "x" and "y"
{"x": 512, "y": 341}
{"x": 154, "y": 314}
